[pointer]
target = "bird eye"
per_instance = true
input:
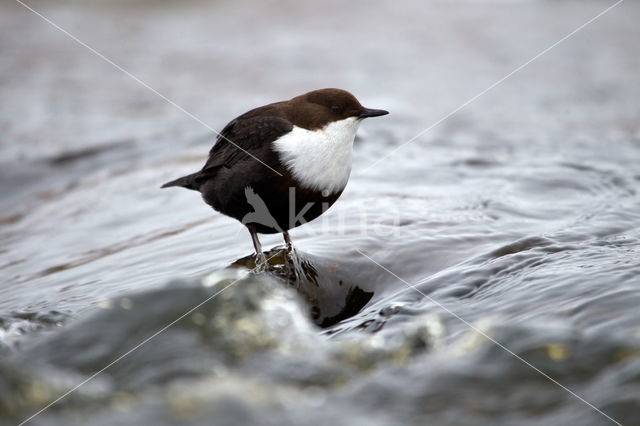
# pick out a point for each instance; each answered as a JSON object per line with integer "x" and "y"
{"x": 336, "y": 108}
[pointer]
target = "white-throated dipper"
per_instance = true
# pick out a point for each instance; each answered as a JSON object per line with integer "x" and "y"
{"x": 281, "y": 165}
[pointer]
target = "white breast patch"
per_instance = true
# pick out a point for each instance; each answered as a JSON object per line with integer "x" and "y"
{"x": 320, "y": 159}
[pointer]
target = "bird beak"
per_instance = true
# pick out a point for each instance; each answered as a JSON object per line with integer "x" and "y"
{"x": 368, "y": 112}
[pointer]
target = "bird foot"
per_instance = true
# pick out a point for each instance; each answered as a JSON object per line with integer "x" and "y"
{"x": 261, "y": 262}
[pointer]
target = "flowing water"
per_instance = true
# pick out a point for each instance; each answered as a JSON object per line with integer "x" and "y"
{"x": 486, "y": 273}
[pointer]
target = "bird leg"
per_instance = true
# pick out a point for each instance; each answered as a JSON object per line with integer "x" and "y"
{"x": 287, "y": 239}
{"x": 261, "y": 260}
{"x": 292, "y": 263}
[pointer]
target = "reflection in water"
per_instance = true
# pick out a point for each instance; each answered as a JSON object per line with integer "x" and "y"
{"x": 331, "y": 295}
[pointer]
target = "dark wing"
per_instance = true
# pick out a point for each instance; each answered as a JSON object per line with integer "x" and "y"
{"x": 241, "y": 137}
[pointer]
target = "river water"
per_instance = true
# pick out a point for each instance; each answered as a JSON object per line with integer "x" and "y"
{"x": 486, "y": 273}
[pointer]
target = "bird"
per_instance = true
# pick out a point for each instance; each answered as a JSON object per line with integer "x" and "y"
{"x": 281, "y": 165}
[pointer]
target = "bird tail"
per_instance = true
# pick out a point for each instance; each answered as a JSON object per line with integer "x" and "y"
{"x": 188, "y": 182}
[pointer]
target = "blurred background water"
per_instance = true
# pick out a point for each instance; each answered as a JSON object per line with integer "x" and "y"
{"x": 518, "y": 215}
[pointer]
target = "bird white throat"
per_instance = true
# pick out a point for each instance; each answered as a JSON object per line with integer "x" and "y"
{"x": 320, "y": 159}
